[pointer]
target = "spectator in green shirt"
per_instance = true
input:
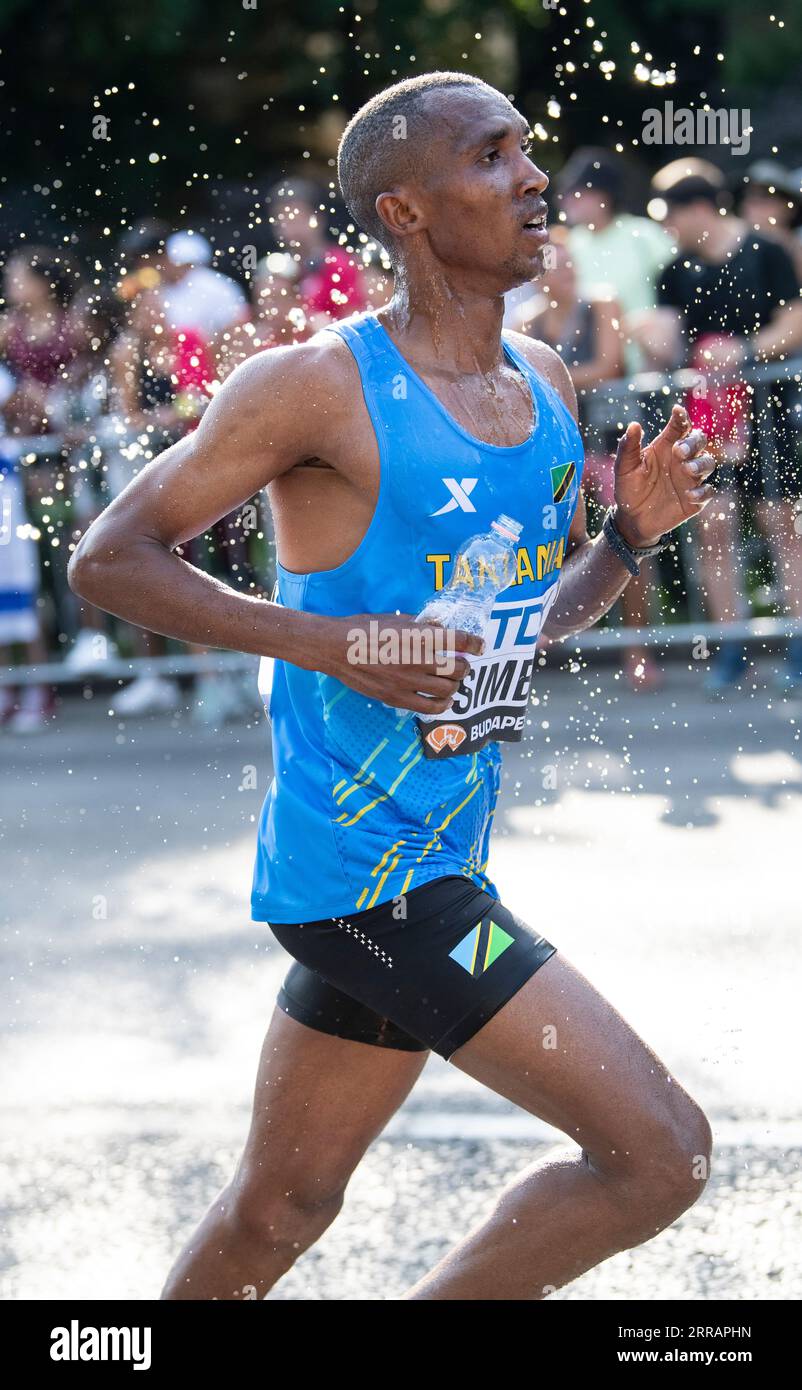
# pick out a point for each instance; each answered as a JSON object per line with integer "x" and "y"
{"x": 617, "y": 256}
{"x": 612, "y": 250}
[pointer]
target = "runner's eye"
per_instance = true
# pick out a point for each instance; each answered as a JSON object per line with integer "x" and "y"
{"x": 495, "y": 153}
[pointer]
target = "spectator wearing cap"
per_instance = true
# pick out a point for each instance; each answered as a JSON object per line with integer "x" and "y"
{"x": 275, "y": 316}
{"x": 771, "y": 203}
{"x": 614, "y": 252}
{"x": 196, "y": 297}
{"x": 732, "y": 296}
{"x": 330, "y": 281}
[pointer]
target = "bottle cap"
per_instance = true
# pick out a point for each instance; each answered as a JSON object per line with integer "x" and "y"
{"x": 507, "y": 527}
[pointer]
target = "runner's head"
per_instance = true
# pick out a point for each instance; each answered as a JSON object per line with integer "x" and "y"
{"x": 436, "y": 168}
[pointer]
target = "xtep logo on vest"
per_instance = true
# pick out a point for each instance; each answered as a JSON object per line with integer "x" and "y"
{"x": 459, "y": 496}
{"x": 484, "y": 943}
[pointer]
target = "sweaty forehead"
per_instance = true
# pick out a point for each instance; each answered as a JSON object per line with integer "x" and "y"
{"x": 464, "y": 117}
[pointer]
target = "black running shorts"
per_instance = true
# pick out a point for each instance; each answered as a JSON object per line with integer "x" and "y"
{"x": 422, "y": 972}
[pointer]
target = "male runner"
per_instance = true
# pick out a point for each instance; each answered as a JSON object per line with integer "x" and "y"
{"x": 387, "y": 441}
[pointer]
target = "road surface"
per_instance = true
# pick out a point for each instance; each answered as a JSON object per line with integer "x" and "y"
{"x": 657, "y": 839}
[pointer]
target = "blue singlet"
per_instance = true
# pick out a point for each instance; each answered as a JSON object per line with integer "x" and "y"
{"x": 355, "y": 814}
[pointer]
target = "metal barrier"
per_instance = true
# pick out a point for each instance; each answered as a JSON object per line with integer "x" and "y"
{"x": 767, "y": 632}
{"x": 598, "y": 404}
{"x": 117, "y": 669}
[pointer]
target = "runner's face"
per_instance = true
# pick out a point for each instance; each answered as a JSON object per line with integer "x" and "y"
{"x": 480, "y": 188}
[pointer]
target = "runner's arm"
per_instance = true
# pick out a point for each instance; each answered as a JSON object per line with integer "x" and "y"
{"x": 591, "y": 579}
{"x": 253, "y": 430}
{"x": 657, "y": 488}
{"x": 272, "y": 412}
{"x": 592, "y": 576}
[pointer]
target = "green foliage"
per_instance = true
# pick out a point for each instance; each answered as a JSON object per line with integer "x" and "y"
{"x": 226, "y": 84}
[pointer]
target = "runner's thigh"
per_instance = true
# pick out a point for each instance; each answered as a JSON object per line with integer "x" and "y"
{"x": 319, "y": 1102}
{"x": 559, "y": 1050}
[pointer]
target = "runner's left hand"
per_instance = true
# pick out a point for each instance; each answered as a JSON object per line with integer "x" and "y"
{"x": 660, "y": 486}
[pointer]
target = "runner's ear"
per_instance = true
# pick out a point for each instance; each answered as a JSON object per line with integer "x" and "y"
{"x": 400, "y": 212}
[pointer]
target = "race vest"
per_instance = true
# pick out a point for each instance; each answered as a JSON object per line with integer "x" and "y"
{"x": 359, "y": 810}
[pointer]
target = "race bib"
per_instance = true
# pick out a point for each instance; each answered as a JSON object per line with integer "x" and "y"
{"x": 492, "y": 700}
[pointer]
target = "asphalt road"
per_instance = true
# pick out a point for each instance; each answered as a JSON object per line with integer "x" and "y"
{"x": 666, "y": 861}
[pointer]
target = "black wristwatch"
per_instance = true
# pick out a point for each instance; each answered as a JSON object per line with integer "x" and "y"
{"x": 629, "y": 555}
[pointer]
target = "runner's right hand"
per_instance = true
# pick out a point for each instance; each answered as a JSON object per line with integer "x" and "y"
{"x": 352, "y": 647}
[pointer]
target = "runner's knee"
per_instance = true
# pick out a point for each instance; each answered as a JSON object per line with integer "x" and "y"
{"x": 285, "y": 1214}
{"x": 657, "y": 1175}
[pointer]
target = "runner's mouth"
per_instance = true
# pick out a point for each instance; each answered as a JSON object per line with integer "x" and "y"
{"x": 536, "y": 221}
{"x": 536, "y": 228}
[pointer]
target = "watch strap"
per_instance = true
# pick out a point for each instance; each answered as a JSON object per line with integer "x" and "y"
{"x": 630, "y": 555}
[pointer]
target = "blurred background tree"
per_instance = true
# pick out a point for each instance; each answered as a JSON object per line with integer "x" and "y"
{"x": 188, "y": 108}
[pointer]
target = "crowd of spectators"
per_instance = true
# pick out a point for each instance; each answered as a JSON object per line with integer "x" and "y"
{"x": 97, "y": 376}
{"x": 96, "y": 379}
{"x": 708, "y": 281}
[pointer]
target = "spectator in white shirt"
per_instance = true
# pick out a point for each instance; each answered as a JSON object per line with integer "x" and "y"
{"x": 199, "y": 298}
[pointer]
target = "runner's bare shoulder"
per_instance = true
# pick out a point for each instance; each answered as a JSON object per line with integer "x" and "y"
{"x": 548, "y": 363}
{"x": 297, "y": 385}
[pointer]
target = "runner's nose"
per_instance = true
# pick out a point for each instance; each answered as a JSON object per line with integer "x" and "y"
{"x": 535, "y": 180}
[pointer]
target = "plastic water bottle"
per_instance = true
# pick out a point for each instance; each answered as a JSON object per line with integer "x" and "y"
{"x": 483, "y": 568}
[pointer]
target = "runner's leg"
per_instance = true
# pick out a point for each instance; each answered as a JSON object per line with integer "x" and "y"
{"x": 717, "y": 542}
{"x": 778, "y": 523}
{"x": 319, "y": 1102}
{"x": 561, "y": 1052}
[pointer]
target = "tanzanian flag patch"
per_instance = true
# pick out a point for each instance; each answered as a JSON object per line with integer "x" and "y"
{"x": 483, "y": 944}
{"x": 562, "y": 477}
